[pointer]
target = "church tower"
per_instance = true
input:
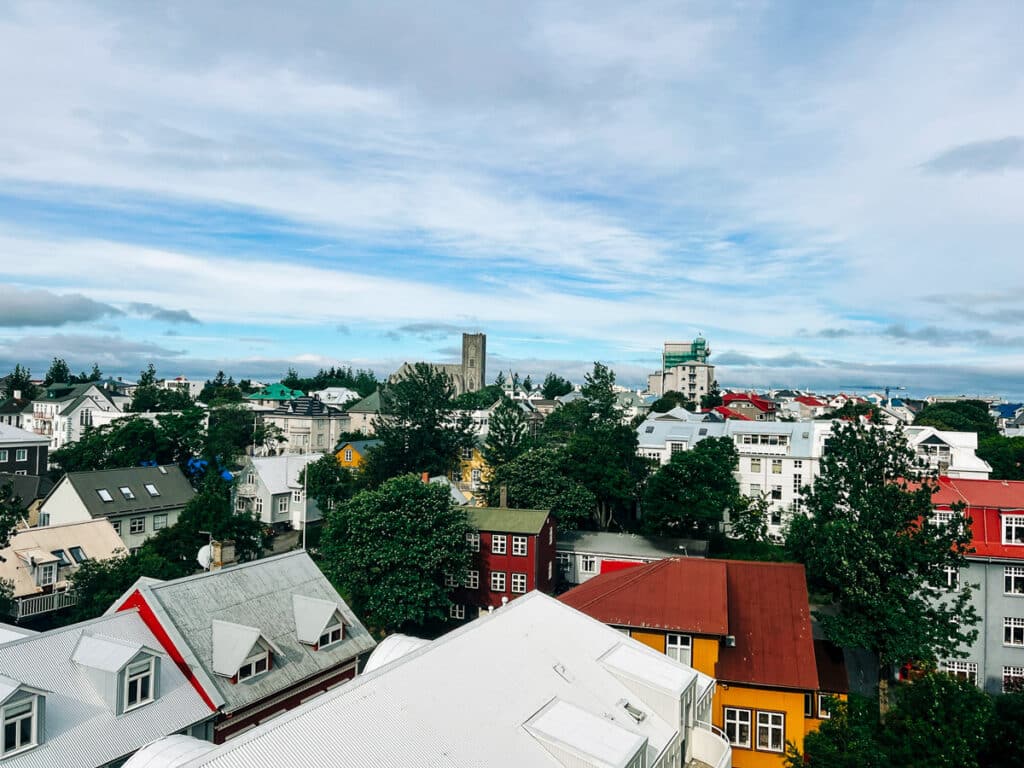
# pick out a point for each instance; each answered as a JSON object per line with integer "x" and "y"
{"x": 474, "y": 361}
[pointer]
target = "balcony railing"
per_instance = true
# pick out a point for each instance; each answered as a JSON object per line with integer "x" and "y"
{"x": 33, "y": 606}
{"x": 708, "y": 746}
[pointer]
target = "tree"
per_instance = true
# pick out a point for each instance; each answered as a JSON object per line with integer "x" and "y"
{"x": 393, "y": 547}
{"x": 13, "y": 509}
{"x": 231, "y": 431}
{"x": 58, "y": 373}
{"x": 870, "y": 545}
{"x": 555, "y": 386}
{"x": 527, "y": 385}
{"x": 421, "y": 430}
{"x": 147, "y": 397}
{"x": 598, "y": 391}
{"x": 602, "y": 458}
{"x": 98, "y": 583}
{"x": 671, "y": 400}
{"x": 535, "y": 480}
{"x": 499, "y": 380}
{"x": 327, "y": 482}
{"x": 748, "y": 519}
{"x": 852, "y": 410}
{"x": 1005, "y": 739}
{"x": 478, "y": 400}
{"x": 1005, "y": 454}
{"x": 849, "y": 739}
{"x": 691, "y": 494}
{"x": 712, "y": 399}
{"x": 20, "y": 380}
{"x": 506, "y": 437}
{"x": 960, "y": 416}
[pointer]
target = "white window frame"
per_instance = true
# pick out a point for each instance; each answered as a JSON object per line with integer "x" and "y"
{"x": 499, "y": 544}
{"x": 952, "y": 576}
{"x": 680, "y": 648}
{"x": 282, "y": 504}
{"x": 588, "y": 564}
{"x": 497, "y": 581}
{"x": 332, "y": 635}
{"x": 473, "y": 539}
{"x": 3, "y": 454}
{"x": 104, "y": 495}
{"x": 1013, "y": 632}
{"x": 449, "y": 580}
{"x": 136, "y": 529}
{"x": 127, "y": 492}
{"x": 248, "y": 667}
{"x": 1013, "y": 677}
{"x": 519, "y": 546}
{"x": 457, "y": 611}
{"x": 823, "y": 713}
{"x": 159, "y": 522}
{"x": 151, "y": 490}
{"x": 519, "y": 583}
{"x": 472, "y": 580}
{"x": 776, "y": 466}
{"x": 117, "y": 526}
{"x": 46, "y": 574}
{"x": 1013, "y": 580}
{"x": 137, "y": 677}
{"x": 963, "y": 670}
{"x": 1013, "y": 530}
{"x": 755, "y": 465}
{"x": 16, "y": 719}
{"x": 773, "y": 723}
{"x": 21, "y": 454}
{"x": 734, "y": 719}
{"x": 297, "y": 495}
{"x": 348, "y": 455}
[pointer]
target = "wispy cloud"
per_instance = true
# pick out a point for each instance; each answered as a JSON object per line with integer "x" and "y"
{"x": 993, "y": 156}
{"x": 20, "y": 307}
{"x": 161, "y": 314}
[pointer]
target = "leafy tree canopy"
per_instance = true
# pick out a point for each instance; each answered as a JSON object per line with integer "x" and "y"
{"x": 598, "y": 391}
{"x": 507, "y": 434}
{"x": 327, "y": 482}
{"x": 58, "y": 372}
{"x": 671, "y": 400}
{"x": 98, "y": 583}
{"x": 482, "y": 398}
{"x": 960, "y": 416}
{"x": 712, "y": 399}
{"x": 536, "y": 480}
{"x": 1005, "y": 454}
{"x": 392, "y": 548}
{"x": 602, "y": 458}
{"x": 868, "y": 540}
{"x": 555, "y": 386}
{"x": 362, "y": 381}
{"x": 20, "y": 380}
{"x": 689, "y": 496}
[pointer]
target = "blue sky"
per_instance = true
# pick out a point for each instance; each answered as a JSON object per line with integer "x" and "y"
{"x": 831, "y": 192}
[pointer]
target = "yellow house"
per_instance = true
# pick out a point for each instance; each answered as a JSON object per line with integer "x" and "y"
{"x": 353, "y": 453}
{"x": 472, "y": 474}
{"x": 745, "y": 624}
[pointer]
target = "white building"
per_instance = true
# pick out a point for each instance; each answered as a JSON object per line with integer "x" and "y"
{"x": 270, "y": 488}
{"x": 182, "y": 384}
{"x": 307, "y": 424}
{"x": 64, "y": 411}
{"x": 335, "y": 395}
{"x": 536, "y": 683}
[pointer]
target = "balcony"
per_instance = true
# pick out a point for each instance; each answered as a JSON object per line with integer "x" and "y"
{"x": 246, "y": 489}
{"x": 709, "y": 748}
{"x": 33, "y": 606}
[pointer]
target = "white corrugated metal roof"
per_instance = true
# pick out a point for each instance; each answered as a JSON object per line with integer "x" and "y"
{"x": 108, "y": 654}
{"x": 392, "y": 648}
{"x": 81, "y": 730}
{"x": 465, "y": 699}
{"x": 169, "y": 752}
{"x": 603, "y": 744}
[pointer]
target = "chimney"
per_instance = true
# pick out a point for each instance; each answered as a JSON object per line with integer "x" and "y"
{"x": 425, "y": 477}
{"x": 503, "y": 496}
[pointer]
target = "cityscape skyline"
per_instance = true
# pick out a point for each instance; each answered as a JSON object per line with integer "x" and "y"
{"x": 830, "y": 194}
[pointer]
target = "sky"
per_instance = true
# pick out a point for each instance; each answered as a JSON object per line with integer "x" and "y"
{"x": 830, "y": 192}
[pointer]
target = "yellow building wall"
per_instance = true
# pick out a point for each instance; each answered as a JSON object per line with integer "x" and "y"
{"x": 655, "y": 640}
{"x": 357, "y": 458}
{"x": 705, "y": 655}
{"x": 789, "y": 703}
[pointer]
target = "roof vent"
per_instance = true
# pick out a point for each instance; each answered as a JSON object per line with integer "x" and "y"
{"x": 563, "y": 673}
{"x": 730, "y": 641}
{"x": 633, "y": 712}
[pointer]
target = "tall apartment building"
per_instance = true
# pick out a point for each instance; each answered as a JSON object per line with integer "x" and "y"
{"x": 684, "y": 368}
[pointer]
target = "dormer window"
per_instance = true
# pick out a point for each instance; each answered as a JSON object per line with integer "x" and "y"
{"x": 254, "y": 666}
{"x": 138, "y": 683}
{"x": 1013, "y": 529}
{"x": 330, "y": 636}
{"x": 21, "y": 725}
{"x": 46, "y": 574}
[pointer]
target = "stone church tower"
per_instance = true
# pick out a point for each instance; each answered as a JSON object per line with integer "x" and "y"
{"x": 474, "y": 361}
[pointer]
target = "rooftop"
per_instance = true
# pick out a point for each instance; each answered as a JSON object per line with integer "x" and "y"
{"x": 507, "y": 520}
{"x": 108, "y": 492}
{"x": 629, "y": 545}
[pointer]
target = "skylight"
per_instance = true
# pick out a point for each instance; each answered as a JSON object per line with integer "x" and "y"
{"x": 127, "y": 492}
{"x": 104, "y": 494}
{"x": 163, "y": 471}
{"x": 61, "y": 555}
{"x": 151, "y": 489}
{"x": 79, "y": 554}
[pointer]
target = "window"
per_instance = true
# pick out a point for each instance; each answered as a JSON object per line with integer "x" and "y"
{"x": 1013, "y": 631}
{"x": 1013, "y": 679}
{"x": 755, "y": 465}
{"x": 21, "y": 454}
{"x": 61, "y": 555}
{"x": 808, "y": 705}
{"x": 258, "y": 505}
{"x": 449, "y": 580}
{"x": 519, "y": 583}
{"x": 551, "y": 569}
{"x": 467, "y": 454}
{"x": 679, "y": 647}
{"x": 952, "y": 576}
{"x": 737, "y": 726}
{"x": 776, "y": 466}
{"x": 3, "y": 455}
{"x": 676, "y": 447}
{"x": 1013, "y": 529}
{"x": 151, "y": 489}
{"x": 519, "y": 546}
{"x": 824, "y": 713}
{"x": 964, "y": 670}
{"x": 282, "y": 504}
{"x": 79, "y": 555}
{"x": 348, "y": 454}
{"x": 159, "y": 522}
{"x": 20, "y": 726}
{"x": 127, "y": 492}
{"x": 474, "y": 541}
{"x": 499, "y": 544}
{"x": 588, "y": 564}
{"x": 798, "y": 483}
{"x": 1013, "y": 580}
{"x": 551, "y": 534}
{"x": 254, "y": 665}
{"x": 755, "y": 489}
{"x": 330, "y": 636}
{"x": 457, "y": 611}
{"x": 497, "y": 581}
{"x": 798, "y": 464}
{"x": 46, "y": 574}
{"x": 239, "y": 504}
{"x": 117, "y": 526}
{"x": 771, "y": 728}
{"x": 137, "y": 525}
{"x": 104, "y": 494}
{"x": 941, "y": 517}
{"x": 250, "y": 478}
{"x": 472, "y": 580}
{"x": 475, "y": 475}
{"x": 777, "y": 492}
{"x": 138, "y": 684}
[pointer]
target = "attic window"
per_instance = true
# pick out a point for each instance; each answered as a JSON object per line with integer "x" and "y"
{"x": 21, "y": 726}
{"x": 163, "y": 471}
{"x": 330, "y": 636}
{"x": 79, "y": 554}
{"x": 127, "y": 492}
{"x": 151, "y": 489}
{"x": 649, "y": 429}
{"x": 61, "y": 555}
{"x": 254, "y": 666}
{"x": 138, "y": 684}
{"x": 104, "y": 494}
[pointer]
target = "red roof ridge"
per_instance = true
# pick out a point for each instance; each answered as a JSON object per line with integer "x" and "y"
{"x": 633, "y": 575}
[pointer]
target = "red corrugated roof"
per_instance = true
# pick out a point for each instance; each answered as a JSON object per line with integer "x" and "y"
{"x": 729, "y": 413}
{"x": 758, "y": 402}
{"x": 811, "y": 401}
{"x": 987, "y": 501}
{"x": 763, "y": 605}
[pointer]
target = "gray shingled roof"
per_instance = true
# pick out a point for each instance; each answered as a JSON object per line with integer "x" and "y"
{"x": 256, "y": 594}
{"x": 81, "y": 730}
{"x": 175, "y": 491}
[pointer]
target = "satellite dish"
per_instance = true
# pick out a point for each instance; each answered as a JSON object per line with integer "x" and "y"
{"x": 205, "y": 556}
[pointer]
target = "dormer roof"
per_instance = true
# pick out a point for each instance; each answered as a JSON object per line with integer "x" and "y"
{"x": 107, "y": 654}
{"x": 9, "y": 686}
{"x": 233, "y": 644}
{"x": 312, "y": 616}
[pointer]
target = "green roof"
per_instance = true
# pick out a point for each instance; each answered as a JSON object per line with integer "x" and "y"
{"x": 369, "y": 404}
{"x": 276, "y": 392}
{"x": 505, "y": 520}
